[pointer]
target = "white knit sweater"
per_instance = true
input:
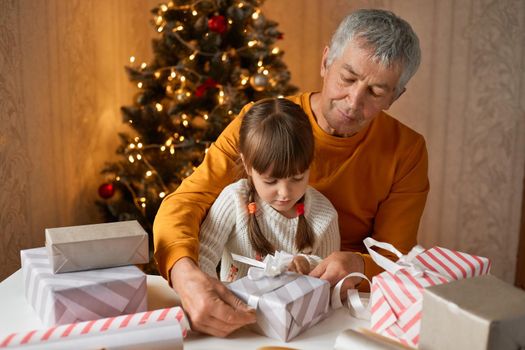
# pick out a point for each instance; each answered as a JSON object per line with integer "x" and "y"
{"x": 225, "y": 230}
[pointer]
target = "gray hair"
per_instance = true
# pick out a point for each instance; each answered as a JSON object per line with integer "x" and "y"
{"x": 390, "y": 36}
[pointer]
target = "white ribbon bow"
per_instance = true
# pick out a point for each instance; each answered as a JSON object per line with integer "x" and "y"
{"x": 271, "y": 266}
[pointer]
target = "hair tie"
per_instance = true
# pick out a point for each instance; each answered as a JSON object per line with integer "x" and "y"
{"x": 252, "y": 207}
{"x": 299, "y": 209}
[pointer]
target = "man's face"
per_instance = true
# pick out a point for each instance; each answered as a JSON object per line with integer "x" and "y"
{"x": 280, "y": 194}
{"x": 355, "y": 90}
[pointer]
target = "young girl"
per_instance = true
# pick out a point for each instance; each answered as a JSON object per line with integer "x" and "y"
{"x": 273, "y": 208}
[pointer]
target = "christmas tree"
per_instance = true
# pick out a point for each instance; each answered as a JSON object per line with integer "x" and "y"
{"x": 211, "y": 57}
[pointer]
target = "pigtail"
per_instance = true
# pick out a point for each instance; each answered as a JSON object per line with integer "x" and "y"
{"x": 259, "y": 242}
{"x": 304, "y": 237}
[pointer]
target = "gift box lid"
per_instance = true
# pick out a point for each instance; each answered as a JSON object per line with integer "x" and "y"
{"x": 485, "y": 306}
{"x": 85, "y": 247}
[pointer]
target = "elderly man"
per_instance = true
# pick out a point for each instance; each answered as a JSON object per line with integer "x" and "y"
{"x": 371, "y": 167}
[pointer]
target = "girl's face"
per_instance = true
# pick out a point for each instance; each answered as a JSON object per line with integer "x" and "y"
{"x": 280, "y": 194}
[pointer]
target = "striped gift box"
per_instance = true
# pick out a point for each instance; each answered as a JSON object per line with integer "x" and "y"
{"x": 80, "y": 296}
{"x": 286, "y": 304}
{"x": 157, "y": 329}
{"x": 397, "y": 294}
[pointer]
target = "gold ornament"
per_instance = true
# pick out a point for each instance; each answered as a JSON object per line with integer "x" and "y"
{"x": 259, "y": 81}
{"x": 199, "y": 122}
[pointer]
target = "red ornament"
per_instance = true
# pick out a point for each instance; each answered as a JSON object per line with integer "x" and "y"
{"x": 280, "y": 36}
{"x": 217, "y": 24}
{"x": 106, "y": 190}
{"x": 208, "y": 84}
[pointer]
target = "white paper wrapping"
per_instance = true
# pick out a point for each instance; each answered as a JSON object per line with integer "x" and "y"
{"x": 286, "y": 305}
{"x": 81, "y": 296}
{"x": 87, "y": 247}
{"x": 159, "y": 329}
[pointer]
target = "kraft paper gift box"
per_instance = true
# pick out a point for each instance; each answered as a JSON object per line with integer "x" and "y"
{"x": 476, "y": 313}
{"x": 88, "y": 247}
{"x": 286, "y": 304}
{"x": 397, "y": 294}
{"x": 80, "y": 296}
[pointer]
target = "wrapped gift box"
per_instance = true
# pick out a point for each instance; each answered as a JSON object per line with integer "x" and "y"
{"x": 80, "y": 296}
{"x": 286, "y": 304}
{"x": 396, "y": 295}
{"x": 88, "y": 247}
{"x": 490, "y": 309}
{"x": 159, "y": 329}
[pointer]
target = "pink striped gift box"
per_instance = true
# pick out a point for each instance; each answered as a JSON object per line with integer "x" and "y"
{"x": 397, "y": 293}
{"x": 80, "y": 296}
{"x": 157, "y": 329}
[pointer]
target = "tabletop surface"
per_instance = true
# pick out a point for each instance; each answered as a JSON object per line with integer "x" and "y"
{"x": 18, "y": 316}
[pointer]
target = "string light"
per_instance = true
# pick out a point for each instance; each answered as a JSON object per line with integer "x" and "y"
{"x": 143, "y": 65}
{"x": 149, "y": 173}
{"x": 139, "y": 157}
{"x": 158, "y": 106}
{"x": 131, "y": 159}
{"x": 140, "y": 84}
{"x": 172, "y": 150}
{"x": 194, "y": 13}
{"x": 192, "y": 56}
{"x": 162, "y": 194}
{"x": 139, "y": 145}
{"x": 132, "y": 59}
{"x": 252, "y": 43}
{"x": 131, "y": 146}
{"x": 160, "y": 29}
{"x": 275, "y": 50}
{"x": 162, "y": 148}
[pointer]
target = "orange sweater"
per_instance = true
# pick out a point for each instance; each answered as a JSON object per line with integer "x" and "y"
{"x": 377, "y": 180}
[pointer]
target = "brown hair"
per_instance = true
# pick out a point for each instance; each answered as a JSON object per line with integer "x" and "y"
{"x": 276, "y": 133}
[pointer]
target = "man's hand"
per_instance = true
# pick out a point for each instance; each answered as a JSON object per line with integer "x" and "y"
{"x": 336, "y": 266}
{"x": 210, "y": 306}
{"x": 300, "y": 265}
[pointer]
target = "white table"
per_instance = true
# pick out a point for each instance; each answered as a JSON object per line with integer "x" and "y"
{"x": 16, "y": 315}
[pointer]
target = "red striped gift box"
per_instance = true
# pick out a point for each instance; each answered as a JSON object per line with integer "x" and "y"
{"x": 146, "y": 330}
{"x": 396, "y": 296}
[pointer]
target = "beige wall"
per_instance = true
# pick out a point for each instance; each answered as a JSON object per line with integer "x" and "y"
{"x": 62, "y": 83}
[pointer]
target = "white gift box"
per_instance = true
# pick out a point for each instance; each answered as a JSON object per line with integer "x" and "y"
{"x": 81, "y": 296}
{"x": 490, "y": 309}
{"x": 286, "y": 304}
{"x": 88, "y": 247}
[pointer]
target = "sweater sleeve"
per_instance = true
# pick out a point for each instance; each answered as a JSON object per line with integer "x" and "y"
{"x": 177, "y": 223}
{"x": 216, "y": 230}
{"x": 326, "y": 230}
{"x": 398, "y": 216}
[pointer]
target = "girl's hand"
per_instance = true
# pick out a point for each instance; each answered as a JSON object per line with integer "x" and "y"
{"x": 300, "y": 265}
